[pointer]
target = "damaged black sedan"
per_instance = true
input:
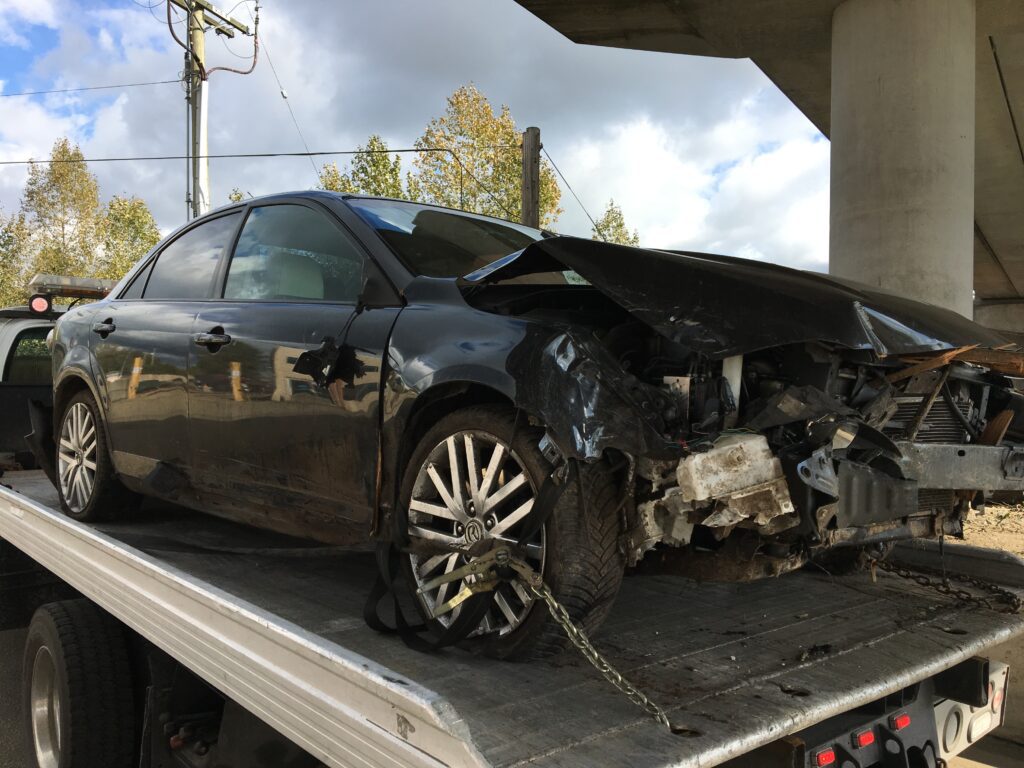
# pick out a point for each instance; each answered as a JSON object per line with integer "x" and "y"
{"x": 361, "y": 370}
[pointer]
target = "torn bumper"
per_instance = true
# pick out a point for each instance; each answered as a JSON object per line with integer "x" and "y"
{"x": 952, "y": 466}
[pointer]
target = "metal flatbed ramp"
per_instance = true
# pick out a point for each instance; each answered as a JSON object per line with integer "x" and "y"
{"x": 276, "y": 625}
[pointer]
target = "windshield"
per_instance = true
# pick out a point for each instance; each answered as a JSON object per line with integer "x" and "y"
{"x": 438, "y": 242}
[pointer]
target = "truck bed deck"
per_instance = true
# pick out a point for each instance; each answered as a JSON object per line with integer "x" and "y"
{"x": 276, "y": 624}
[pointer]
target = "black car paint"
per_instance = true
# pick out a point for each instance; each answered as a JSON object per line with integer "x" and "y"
{"x": 326, "y": 459}
{"x": 722, "y": 306}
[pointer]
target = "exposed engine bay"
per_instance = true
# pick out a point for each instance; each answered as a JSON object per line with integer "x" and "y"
{"x": 795, "y": 450}
{"x": 747, "y": 460}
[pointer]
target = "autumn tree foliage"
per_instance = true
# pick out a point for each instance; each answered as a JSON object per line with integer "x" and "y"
{"x": 62, "y": 228}
{"x": 611, "y": 227}
{"x": 373, "y": 171}
{"x": 470, "y": 158}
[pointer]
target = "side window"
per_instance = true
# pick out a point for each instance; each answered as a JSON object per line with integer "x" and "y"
{"x": 29, "y": 360}
{"x": 185, "y": 268}
{"x": 135, "y": 288}
{"x": 293, "y": 253}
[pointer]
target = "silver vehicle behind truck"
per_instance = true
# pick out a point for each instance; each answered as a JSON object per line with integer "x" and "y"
{"x": 25, "y": 371}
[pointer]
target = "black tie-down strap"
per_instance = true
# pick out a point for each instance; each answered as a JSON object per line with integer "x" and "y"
{"x": 419, "y": 635}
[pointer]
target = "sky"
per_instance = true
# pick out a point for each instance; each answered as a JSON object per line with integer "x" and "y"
{"x": 700, "y": 153}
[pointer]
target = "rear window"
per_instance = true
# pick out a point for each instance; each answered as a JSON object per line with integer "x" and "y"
{"x": 29, "y": 359}
{"x": 185, "y": 268}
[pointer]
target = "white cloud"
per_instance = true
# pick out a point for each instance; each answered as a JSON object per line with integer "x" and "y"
{"x": 15, "y": 13}
{"x": 700, "y": 153}
{"x": 754, "y": 184}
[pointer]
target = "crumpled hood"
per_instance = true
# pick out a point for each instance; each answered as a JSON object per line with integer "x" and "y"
{"x": 724, "y": 306}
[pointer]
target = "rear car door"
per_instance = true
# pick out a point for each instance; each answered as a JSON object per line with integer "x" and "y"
{"x": 141, "y": 342}
{"x": 284, "y": 384}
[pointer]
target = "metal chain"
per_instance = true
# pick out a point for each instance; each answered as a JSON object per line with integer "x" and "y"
{"x": 579, "y": 639}
{"x": 1008, "y": 601}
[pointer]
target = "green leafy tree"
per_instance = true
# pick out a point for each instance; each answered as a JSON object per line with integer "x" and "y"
{"x": 62, "y": 212}
{"x": 374, "y": 171}
{"x": 480, "y": 166}
{"x": 611, "y": 227}
{"x": 129, "y": 232}
{"x": 13, "y": 265}
{"x": 63, "y": 229}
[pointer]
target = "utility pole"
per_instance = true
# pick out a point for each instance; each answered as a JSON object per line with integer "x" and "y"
{"x": 530, "y": 215}
{"x": 202, "y": 15}
{"x": 198, "y": 89}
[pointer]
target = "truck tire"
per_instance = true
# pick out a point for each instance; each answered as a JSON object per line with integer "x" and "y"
{"x": 88, "y": 487}
{"x": 577, "y": 550}
{"x": 77, "y": 691}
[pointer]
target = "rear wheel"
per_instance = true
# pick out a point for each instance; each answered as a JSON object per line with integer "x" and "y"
{"x": 77, "y": 693}
{"x": 475, "y": 477}
{"x": 88, "y": 487}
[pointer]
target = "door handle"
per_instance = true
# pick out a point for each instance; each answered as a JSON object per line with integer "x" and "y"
{"x": 105, "y": 328}
{"x": 211, "y": 340}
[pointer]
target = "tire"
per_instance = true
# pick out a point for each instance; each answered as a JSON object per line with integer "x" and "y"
{"x": 90, "y": 491}
{"x": 77, "y": 691}
{"x": 577, "y": 552}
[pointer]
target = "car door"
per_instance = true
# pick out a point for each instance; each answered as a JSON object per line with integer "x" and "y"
{"x": 141, "y": 342}
{"x": 285, "y": 379}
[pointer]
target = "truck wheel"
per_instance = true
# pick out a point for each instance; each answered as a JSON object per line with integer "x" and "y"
{"x": 474, "y": 476}
{"x": 88, "y": 488}
{"x": 76, "y": 689}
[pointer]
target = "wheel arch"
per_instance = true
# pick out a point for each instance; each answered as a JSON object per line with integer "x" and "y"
{"x": 70, "y": 383}
{"x": 410, "y": 421}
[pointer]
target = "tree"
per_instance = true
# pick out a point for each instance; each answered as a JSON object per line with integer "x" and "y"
{"x": 470, "y": 158}
{"x": 63, "y": 229}
{"x": 61, "y": 206}
{"x": 129, "y": 232}
{"x": 611, "y": 227}
{"x": 13, "y": 237}
{"x": 374, "y": 171}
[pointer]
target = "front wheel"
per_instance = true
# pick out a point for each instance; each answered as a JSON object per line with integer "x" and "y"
{"x": 89, "y": 489}
{"x": 475, "y": 477}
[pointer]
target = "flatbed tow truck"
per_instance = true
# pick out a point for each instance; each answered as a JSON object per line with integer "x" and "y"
{"x": 809, "y": 669}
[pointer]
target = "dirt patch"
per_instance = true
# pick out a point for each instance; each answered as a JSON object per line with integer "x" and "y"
{"x": 998, "y": 527}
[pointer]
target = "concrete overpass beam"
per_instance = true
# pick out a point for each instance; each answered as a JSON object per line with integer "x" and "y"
{"x": 902, "y": 130}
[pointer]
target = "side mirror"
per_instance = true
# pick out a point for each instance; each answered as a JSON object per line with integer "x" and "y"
{"x": 376, "y": 290}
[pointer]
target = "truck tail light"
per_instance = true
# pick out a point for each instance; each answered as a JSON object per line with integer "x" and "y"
{"x": 863, "y": 738}
{"x": 900, "y": 721}
{"x": 825, "y": 757}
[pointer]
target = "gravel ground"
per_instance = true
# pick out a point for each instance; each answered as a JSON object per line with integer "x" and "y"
{"x": 999, "y": 527}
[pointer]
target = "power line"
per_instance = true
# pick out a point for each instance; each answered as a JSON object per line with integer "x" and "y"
{"x": 233, "y": 155}
{"x": 567, "y": 186}
{"x": 479, "y": 183}
{"x": 89, "y": 88}
{"x": 287, "y": 103}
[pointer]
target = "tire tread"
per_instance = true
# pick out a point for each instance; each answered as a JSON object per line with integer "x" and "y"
{"x": 90, "y": 653}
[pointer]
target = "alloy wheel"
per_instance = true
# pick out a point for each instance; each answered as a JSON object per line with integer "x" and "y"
{"x": 76, "y": 457}
{"x": 472, "y": 487}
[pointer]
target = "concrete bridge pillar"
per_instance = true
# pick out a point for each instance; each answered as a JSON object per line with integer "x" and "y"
{"x": 902, "y": 130}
